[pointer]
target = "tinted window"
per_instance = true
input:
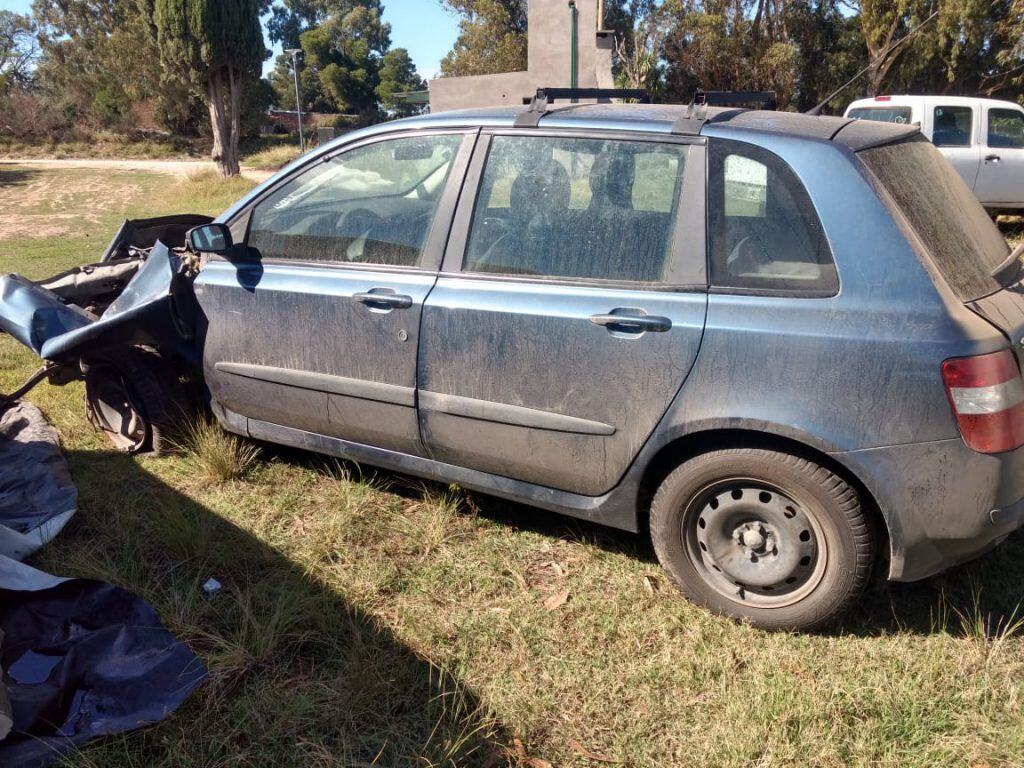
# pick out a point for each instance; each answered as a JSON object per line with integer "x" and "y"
{"x": 370, "y": 205}
{"x": 952, "y": 126}
{"x": 576, "y": 208}
{"x": 901, "y": 115}
{"x": 765, "y": 233}
{"x": 1005, "y": 128}
{"x": 954, "y": 229}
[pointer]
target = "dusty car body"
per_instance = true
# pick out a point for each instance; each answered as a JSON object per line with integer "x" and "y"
{"x": 742, "y": 331}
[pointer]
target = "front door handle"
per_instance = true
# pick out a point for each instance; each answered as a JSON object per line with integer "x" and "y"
{"x": 633, "y": 323}
{"x": 377, "y": 300}
{"x": 993, "y": 159}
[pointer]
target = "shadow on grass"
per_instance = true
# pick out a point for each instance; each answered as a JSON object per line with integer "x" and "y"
{"x": 298, "y": 675}
{"x": 14, "y": 176}
{"x": 1012, "y": 228}
{"x": 989, "y": 589}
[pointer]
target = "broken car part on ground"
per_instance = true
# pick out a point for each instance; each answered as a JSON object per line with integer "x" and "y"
{"x": 78, "y": 658}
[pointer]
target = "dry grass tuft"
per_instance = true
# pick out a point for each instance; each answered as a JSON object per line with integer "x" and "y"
{"x": 273, "y": 159}
{"x": 216, "y": 455}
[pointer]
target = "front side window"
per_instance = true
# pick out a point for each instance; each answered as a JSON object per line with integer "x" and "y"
{"x": 370, "y": 205}
{"x": 1006, "y": 129}
{"x": 898, "y": 115}
{"x": 952, "y": 126}
{"x": 576, "y": 208}
{"x": 765, "y": 233}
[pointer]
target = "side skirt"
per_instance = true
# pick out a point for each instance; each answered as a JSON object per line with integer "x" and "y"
{"x": 590, "y": 508}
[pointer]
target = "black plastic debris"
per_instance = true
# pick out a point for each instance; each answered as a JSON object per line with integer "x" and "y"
{"x": 37, "y": 495}
{"x": 78, "y": 659}
{"x": 82, "y": 659}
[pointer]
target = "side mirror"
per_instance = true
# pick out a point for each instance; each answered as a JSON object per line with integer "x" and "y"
{"x": 210, "y": 238}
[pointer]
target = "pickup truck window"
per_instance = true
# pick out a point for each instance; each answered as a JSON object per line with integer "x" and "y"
{"x": 1006, "y": 128}
{"x": 370, "y": 205}
{"x": 576, "y": 208}
{"x": 900, "y": 115}
{"x": 958, "y": 236}
{"x": 764, "y": 231}
{"x": 952, "y": 126}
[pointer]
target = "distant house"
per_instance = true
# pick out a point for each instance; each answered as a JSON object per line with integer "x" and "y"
{"x": 550, "y": 60}
{"x": 288, "y": 120}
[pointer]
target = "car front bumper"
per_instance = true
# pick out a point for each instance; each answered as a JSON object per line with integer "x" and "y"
{"x": 943, "y": 503}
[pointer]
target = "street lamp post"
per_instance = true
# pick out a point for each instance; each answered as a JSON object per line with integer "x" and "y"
{"x": 295, "y": 53}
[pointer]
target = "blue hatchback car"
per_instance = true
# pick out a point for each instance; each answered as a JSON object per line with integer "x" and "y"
{"x": 786, "y": 346}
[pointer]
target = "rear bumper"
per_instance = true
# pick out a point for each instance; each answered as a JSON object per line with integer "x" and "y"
{"x": 943, "y": 503}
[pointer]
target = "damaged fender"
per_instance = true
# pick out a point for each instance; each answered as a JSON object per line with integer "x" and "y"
{"x": 156, "y": 308}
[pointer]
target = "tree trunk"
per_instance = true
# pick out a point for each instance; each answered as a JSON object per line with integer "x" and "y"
{"x": 224, "y": 95}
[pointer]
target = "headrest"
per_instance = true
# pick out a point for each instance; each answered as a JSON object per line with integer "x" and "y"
{"x": 542, "y": 189}
{"x": 612, "y": 179}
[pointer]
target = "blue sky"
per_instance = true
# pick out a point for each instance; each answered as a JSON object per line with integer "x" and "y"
{"x": 422, "y": 26}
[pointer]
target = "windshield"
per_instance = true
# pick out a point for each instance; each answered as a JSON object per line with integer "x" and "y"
{"x": 959, "y": 237}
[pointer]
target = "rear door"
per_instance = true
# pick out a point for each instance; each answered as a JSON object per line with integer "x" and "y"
{"x": 955, "y": 130}
{"x": 570, "y": 308}
{"x": 318, "y": 330}
{"x": 1001, "y": 178}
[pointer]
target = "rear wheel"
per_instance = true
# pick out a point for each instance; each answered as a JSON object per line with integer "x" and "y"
{"x": 137, "y": 399}
{"x": 762, "y": 536}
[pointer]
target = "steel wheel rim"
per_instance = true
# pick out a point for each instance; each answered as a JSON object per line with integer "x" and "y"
{"x": 754, "y": 543}
{"x": 111, "y": 402}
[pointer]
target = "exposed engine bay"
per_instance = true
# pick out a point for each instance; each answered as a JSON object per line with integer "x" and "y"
{"x": 124, "y": 323}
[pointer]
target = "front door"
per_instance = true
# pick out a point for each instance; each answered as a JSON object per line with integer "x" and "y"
{"x": 318, "y": 328}
{"x": 570, "y": 308}
{"x": 1001, "y": 178}
{"x": 954, "y": 130}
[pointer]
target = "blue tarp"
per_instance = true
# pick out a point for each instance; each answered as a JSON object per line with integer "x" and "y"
{"x": 79, "y": 658}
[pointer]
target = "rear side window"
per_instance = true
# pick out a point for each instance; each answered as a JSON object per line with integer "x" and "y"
{"x": 370, "y": 205}
{"x": 1005, "y": 128}
{"x": 952, "y": 126}
{"x": 961, "y": 239}
{"x": 765, "y": 233}
{"x": 900, "y": 115}
{"x": 576, "y": 208}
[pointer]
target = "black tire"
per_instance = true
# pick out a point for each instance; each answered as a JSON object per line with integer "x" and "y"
{"x": 138, "y": 400}
{"x": 762, "y": 536}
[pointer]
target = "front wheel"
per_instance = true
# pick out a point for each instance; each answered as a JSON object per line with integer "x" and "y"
{"x": 763, "y": 536}
{"x": 137, "y": 399}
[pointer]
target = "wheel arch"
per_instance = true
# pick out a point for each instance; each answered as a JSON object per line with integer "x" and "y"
{"x": 679, "y": 450}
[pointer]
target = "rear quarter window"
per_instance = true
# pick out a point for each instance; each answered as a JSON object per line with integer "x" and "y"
{"x": 765, "y": 233}
{"x": 954, "y": 230}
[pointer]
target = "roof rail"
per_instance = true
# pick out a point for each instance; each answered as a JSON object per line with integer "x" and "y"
{"x": 539, "y": 106}
{"x": 696, "y": 115}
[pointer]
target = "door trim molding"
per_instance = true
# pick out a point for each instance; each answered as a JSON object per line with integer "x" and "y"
{"x": 322, "y": 382}
{"x": 516, "y": 415}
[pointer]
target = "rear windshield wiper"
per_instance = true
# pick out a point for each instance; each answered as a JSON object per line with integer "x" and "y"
{"x": 1013, "y": 260}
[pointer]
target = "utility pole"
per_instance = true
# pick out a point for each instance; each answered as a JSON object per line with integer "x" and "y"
{"x": 295, "y": 53}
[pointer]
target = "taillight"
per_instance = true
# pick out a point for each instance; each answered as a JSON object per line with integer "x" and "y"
{"x": 987, "y": 395}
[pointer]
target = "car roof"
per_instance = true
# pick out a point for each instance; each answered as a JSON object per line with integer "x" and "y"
{"x": 908, "y": 100}
{"x": 661, "y": 118}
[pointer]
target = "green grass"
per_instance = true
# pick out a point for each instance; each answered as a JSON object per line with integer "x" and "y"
{"x": 105, "y": 144}
{"x": 272, "y": 159}
{"x": 367, "y": 619}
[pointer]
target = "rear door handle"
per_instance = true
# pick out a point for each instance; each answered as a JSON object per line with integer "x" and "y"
{"x": 377, "y": 300}
{"x": 633, "y": 323}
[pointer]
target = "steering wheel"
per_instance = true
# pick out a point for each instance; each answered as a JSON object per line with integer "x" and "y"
{"x": 358, "y": 224}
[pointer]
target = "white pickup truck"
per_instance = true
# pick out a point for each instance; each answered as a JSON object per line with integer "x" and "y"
{"x": 982, "y": 138}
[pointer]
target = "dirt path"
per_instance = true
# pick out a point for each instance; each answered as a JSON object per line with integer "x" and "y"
{"x": 172, "y": 167}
